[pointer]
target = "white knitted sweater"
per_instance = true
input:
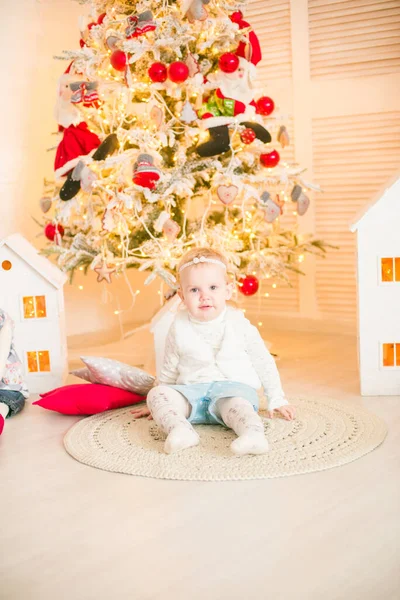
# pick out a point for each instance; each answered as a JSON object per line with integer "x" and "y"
{"x": 187, "y": 362}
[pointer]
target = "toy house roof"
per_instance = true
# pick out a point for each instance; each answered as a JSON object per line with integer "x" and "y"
{"x": 28, "y": 253}
{"x": 382, "y": 198}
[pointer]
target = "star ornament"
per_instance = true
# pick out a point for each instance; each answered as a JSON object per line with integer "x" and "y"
{"x": 104, "y": 271}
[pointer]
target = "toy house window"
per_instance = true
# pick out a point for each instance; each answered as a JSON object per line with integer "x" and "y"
{"x": 6, "y": 265}
{"x": 390, "y": 269}
{"x": 38, "y": 361}
{"x": 391, "y": 355}
{"x": 34, "y": 307}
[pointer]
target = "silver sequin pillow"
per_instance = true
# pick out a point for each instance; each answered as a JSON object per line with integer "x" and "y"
{"x": 117, "y": 374}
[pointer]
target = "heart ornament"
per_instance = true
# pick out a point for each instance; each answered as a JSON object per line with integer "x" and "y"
{"x": 45, "y": 204}
{"x": 271, "y": 211}
{"x": 227, "y": 193}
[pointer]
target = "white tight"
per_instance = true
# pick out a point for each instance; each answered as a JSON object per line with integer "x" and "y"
{"x": 170, "y": 410}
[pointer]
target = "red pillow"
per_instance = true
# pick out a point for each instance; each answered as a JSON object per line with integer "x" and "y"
{"x": 87, "y": 399}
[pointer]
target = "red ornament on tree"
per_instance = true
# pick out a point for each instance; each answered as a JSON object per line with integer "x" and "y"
{"x": 265, "y": 106}
{"x": 158, "y": 72}
{"x": 270, "y": 159}
{"x": 247, "y": 136}
{"x": 50, "y": 231}
{"x": 118, "y": 60}
{"x": 178, "y": 72}
{"x": 228, "y": 62}
{"x": 248, "y": 285}
{"x": 101, "y": 18}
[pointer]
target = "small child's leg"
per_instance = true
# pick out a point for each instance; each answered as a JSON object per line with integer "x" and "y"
{"x": 239, "y": 414}
{"x": 170, "y": 410}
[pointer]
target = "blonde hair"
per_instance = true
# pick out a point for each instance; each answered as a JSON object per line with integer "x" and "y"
{"x": 198, "y": 253}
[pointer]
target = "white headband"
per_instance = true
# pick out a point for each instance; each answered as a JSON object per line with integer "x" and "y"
{"x": 202, "y": 259}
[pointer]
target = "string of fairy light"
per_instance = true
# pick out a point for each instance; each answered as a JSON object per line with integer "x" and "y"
{"x": 131, "y": 211}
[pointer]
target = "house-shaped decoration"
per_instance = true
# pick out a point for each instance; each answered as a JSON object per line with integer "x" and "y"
{"x": 159, "y": 326}
{"x": 31, "y": 292}
{"x": 378, "y": 257}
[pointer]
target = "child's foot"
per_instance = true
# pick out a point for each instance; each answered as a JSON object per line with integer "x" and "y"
{"x": 1, "y": 424}
{"x": 180, "y": 438}
{"x": 250, "y": 443}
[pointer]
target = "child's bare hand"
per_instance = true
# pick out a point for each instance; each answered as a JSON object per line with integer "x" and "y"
{"x": 140, "y": 412}
{"x": 287, "y": 412}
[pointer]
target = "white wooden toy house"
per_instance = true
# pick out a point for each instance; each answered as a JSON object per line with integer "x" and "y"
{"x": 31, "y": 292}
{"x": 378, "y": 258}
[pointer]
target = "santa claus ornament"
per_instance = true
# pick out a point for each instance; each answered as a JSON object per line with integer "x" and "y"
{"x": 78, "y": 142}
{"x": 249, "y": 49}
{"x": 226, "y": 105}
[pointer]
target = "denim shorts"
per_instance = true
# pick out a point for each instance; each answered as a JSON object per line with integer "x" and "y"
{"x": 203, "y": 398}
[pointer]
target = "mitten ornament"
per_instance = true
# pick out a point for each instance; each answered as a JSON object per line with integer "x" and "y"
{"x": 283, "y": 136}
{"x": 303, "y": 201}
{"x": 270, "y": 208}
{"x": 146, "y": 174}
{"x": 194, "y": 10}
{"x": 140, "y": 24}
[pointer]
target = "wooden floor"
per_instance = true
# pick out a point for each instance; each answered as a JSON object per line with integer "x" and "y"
{"x": 72, "y": 532}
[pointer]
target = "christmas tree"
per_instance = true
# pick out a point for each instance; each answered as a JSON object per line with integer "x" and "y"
{"x": 167, "y": 144}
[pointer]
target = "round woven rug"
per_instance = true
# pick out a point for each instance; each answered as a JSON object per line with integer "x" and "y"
{"x": 325, "y": 434}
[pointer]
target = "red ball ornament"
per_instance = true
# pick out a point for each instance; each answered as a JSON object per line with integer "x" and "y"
{"x": 270, "y": 159}
{"x": 50, "y": 231}
{"x": 158, "y": 72}
{"x": 247, "y": 136}
{"x": 118, "y": 60}
{"x": 248, "y": 285}
{"x": 178, "y": 72}
{"x": 228, "y": 62}
{"x": 265, "y": 106}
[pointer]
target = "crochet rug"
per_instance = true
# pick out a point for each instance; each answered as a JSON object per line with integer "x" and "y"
{"x": 325, "y": 434}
